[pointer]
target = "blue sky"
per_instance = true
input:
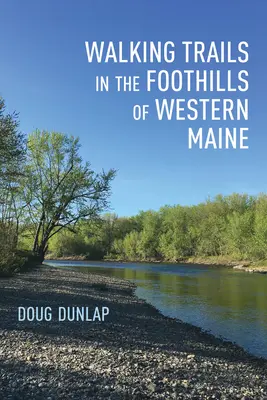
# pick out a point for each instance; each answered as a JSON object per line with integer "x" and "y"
{"x": 44, "y": 74}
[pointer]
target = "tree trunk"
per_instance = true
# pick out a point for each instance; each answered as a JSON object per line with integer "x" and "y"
{"x": 35, "y": 248}
{"x": 41, "y": 254}
{"x": 42, "y": 249}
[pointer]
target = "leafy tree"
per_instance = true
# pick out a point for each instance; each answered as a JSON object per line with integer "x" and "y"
{"x": 239, "y": 202}
{"x": 118, "y": 249}
{"x": 131, "y": 245}
{"x": 240, "y": 231}
{"x": 67, "y": 243}
{"x": 108, "y": 231}
{"x": 59, "y": 188}
{"x": 149, "y": 236}
{"x": 175, "y": 241}
{"x": 210, "y": 227}
{"x": 12, "y": 146}
{"x": 12, "y": 153}
{"x": 258, "y": 249}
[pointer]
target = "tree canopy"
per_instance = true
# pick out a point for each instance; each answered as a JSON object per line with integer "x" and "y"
{"x": 59, "y": 188}
{"x": 234, "y": 227}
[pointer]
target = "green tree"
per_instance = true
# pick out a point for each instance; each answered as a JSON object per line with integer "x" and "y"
{"x": 67, "y": 243}
{"x": 209, "y": 226}
{"x": 12, "y": 155}
{"x": 12, "y": 146}
{"x": 175, "y": 240}
{"x": 149, "y": 236}
{"x": 131, "y": 245}
{"x": 59, "y": 188}
{"x": 259, "y": 247}
{"x": 240, "y": 230}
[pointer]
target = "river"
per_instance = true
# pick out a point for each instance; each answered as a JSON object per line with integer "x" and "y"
{"x": 228, "y": 303}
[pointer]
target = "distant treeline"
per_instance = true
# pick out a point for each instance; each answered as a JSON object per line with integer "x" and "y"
{"x": 234, "y": 226}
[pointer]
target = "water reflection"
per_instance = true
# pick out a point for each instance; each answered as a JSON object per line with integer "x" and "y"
{"x": 229, "y": 303}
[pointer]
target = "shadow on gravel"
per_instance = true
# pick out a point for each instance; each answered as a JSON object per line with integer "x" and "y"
{"x": 132, "y": 325}
{"x": 73, "y": 385}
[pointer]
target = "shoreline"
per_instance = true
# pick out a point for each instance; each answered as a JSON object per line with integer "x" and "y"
{"x": 245, "y": 266}
{"x": 136, "y": 353}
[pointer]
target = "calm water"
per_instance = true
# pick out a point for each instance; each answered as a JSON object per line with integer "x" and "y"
{"x": 228, "y": 303}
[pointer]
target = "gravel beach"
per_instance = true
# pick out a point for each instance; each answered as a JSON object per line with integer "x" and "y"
{"x": 135, "y": 353}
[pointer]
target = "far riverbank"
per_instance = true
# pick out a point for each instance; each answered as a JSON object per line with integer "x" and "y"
{"x": 243, "y": 265}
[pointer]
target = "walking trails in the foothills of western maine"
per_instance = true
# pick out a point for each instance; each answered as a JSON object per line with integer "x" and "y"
{"x": 136, "y": 353}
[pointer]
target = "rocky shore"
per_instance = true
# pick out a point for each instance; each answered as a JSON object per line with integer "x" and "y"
{"x": 135, "y": 353}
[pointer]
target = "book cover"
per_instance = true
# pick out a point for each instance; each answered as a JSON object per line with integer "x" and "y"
{"x": 133, "y": 205}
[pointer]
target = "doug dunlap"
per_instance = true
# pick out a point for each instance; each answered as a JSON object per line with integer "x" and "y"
{"x": 71, "y": 314}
